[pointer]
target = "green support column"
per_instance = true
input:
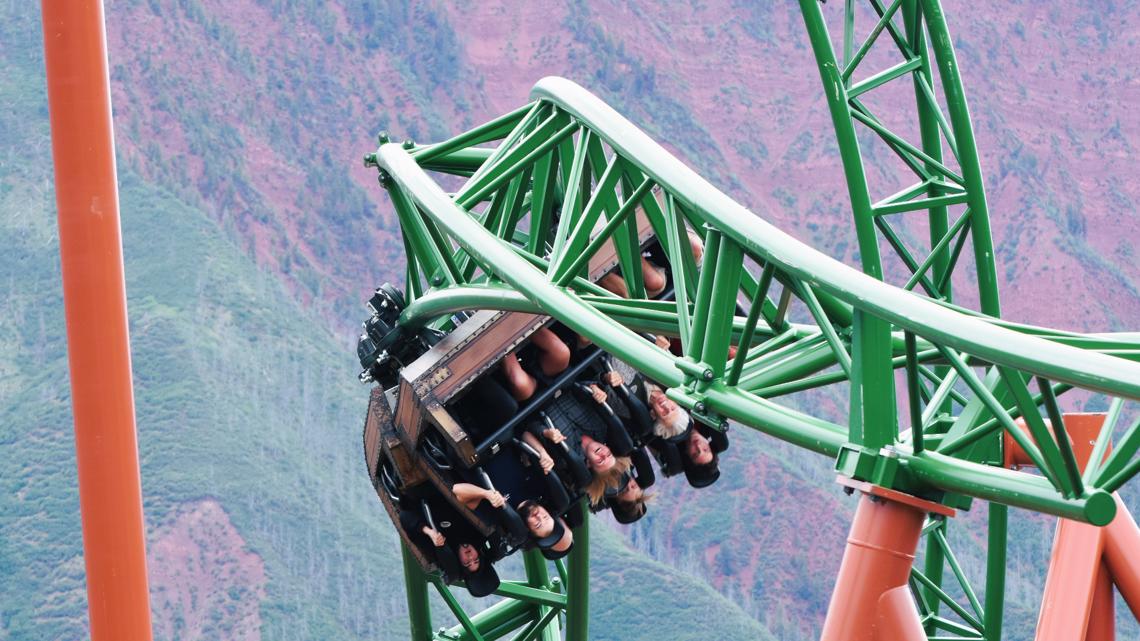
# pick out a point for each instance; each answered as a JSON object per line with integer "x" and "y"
{"x": 935, "y": 561}
{"x": 578, "y": 583}
{"x": 538, "y": 576}
{"x": 933, "y": 567}
{"x": 415, "y": 584}
{"x": 968, "y": 156}
{"x": 873, "y": 421}
{"x": 995, "y": 571}
{"x": 836, "y": 94}
{"x": 873, "y": 416}
{"x": 494, "y": 622}
{"x": 931, "y": 139}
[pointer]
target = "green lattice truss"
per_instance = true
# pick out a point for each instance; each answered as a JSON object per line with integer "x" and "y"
{"x": 546, "y": 185}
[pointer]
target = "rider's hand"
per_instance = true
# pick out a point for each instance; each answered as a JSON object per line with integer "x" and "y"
{"x": 437, "y": 539}
{"x": 598, "y": 394}
{"x": 494, "y": 498}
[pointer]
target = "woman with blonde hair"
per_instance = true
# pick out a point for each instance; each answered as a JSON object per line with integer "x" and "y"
{"x": 628, "y": 502}
{"x": 606, "y": 470}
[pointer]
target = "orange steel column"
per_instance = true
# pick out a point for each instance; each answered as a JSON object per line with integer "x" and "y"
{"x": 95, "y": 304}
{"x": 1072, "y": 601}
{"x": 1067, "y": 603}
{"x": 872, "y": 601}
{"x": 1122, "y": 555}
{"x": 1102, "y": 616}
{"x": 1078, "y": 603}
{"x": 1082, "y": 428}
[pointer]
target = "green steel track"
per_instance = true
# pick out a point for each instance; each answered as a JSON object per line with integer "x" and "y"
{"x": 547, "y": 184}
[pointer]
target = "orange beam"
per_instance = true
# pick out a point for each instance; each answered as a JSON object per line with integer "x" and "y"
{"x": 1078, "y": 603}
{"x": 872, "y": 600}
{"x": 1122, "y": 555}
{"x": 1071, "y": 583}
{"x": 1082, "y": 428}
{"x": 1102, "y": 616}
{"x": 95, "y": 304}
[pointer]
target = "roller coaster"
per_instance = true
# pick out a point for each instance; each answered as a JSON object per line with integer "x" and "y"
{"x": 556, "y": 208}
{"x": 562, "y": 192}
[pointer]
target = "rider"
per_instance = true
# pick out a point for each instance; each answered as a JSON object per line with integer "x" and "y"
{"x": 581, "y": 419}
{"x": 680, "y": 439}
{"x": 458, "y": 549}
{"x": 521, "y": 475}
{"x": 629, "y": 501}
{"x": 551, "y": 534}
{"x": 577, "y": 415}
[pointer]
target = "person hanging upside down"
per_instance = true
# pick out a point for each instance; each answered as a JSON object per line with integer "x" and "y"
{"x": 522, "y": 474}
{"x": 551, "y": 533}
{"x": 458, "y": 549}
{"x": 682, "y": 442}
{"x": 629, "y": 501}
{"x": 583, "y": 427}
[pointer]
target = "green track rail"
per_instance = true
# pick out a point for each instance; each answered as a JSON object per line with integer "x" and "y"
{"x": 512, "y": 279}
{"x": 549, "y": 183}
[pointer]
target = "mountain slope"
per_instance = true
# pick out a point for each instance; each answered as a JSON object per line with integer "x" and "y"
{"x": 258, "y": 111}
{"x": 262, "y": 523}
{"x": 253, "y": 234}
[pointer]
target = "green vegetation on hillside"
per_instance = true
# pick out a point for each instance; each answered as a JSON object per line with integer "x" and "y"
{"x": 242, "y": 397}
{"x": 247, "y": 397}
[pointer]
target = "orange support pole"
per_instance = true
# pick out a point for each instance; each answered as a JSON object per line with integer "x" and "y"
{"x": 1072, "y": 601}
{"x": 872, "y": 600}
{"x": 1102, "y": 615}
{"x": 1086, "y": 563}
{"x": 1082, "y": 428}
{"x": 1067, "y": 603}
{"x": 95, "y": 303}
{"x": 1122, "y": 555}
